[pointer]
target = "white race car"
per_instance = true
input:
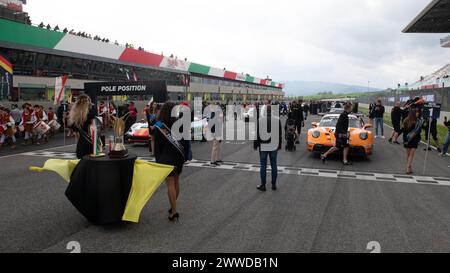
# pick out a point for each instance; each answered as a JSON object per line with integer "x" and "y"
{"x": 139, "y": 132}
{"x": 249, "y": 113}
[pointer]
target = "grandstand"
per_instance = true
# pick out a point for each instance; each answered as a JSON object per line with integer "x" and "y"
{"x": 435, "y": 18}
{"x": 38, "y": 55}
{"x": 438, "y": 79}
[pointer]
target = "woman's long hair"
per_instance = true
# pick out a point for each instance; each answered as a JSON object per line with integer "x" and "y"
{"x": 153, "y": 110}
{"x": 80, "y": 110}
{"x": 411, "y": 120}
{"x": 165, "y": 115}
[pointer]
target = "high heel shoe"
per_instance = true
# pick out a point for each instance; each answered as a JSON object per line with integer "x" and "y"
{"x": 173, "y": 217}
{"x": 409, "y": 171}
{"x": 169, "y": 211}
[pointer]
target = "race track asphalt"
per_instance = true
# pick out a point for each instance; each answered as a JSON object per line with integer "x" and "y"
{"x": 221, "y": 210}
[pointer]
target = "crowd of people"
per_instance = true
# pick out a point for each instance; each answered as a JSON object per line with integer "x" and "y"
{"x": 35, "y": 125}
{"x": 32, "y": 123}
{"x": 84, "y": 35}
{"x": 89, "y": 36}
{"x": 73, "y": 32}
{"x": 409, "y": 121}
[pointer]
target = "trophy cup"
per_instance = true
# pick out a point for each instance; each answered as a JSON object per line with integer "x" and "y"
{"x": 118, "y": 149}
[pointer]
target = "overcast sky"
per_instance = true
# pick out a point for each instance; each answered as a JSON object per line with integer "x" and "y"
{"x": 343, "y": 41}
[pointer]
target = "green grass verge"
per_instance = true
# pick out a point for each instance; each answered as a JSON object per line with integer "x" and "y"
{"x": 442, "y": 130}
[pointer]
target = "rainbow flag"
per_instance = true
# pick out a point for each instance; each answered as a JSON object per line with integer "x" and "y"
{"x": 6, "y": 65}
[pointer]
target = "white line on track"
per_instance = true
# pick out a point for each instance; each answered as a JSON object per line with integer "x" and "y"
{"x": 290, "y": 170}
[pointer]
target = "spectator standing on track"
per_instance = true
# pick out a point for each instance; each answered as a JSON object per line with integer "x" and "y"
{"x": 342, "y": 136}
{"x": 268, "y": 117}
{"x": 217, "y": 135}
{"x": 433, "y": 133}
{"x": 371, "y": 116}
{"x": 378, "y": 114}
{"x": 411, "y": 138}
{"x": 447, "y": 139}
{"x": 396, "y": 118}
{"x": 297, "y": 113}
{"x": 306, "y": 111}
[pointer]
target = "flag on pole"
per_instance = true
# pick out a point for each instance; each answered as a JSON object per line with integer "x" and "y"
{"x": 60, "y": 87}
{"x": 6, "y": 65}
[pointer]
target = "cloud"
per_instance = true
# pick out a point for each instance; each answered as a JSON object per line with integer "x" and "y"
{"x": 345, "y": 41}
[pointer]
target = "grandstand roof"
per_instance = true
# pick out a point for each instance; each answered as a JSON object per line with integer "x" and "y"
{"x": 20, "y": 36}
{"x": 435, "y": 18}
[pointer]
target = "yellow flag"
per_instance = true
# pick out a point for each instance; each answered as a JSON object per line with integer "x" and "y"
{"x": 147, "y": 178}
{"x": 60, "y": 166}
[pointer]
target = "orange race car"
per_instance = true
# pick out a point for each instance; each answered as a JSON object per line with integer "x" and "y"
{"x": 321, "y": 136}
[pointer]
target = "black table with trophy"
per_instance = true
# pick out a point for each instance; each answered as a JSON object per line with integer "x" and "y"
{"x": 100, "y": 184}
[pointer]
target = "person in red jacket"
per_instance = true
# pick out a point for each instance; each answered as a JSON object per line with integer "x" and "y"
{"x": 133, "y": 113}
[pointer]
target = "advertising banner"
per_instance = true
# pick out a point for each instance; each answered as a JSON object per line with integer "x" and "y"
{"x": 428, "y": 98}
{"x": 404, "y": 99}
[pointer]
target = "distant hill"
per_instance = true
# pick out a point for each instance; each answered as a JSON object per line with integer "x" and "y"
{"x": 305, "y": 88}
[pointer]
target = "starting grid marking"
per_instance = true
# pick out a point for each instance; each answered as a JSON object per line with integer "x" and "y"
{"x": 336, "y": 174}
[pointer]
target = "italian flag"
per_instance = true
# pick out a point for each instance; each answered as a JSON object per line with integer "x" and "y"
{"x": 60, "y": 86}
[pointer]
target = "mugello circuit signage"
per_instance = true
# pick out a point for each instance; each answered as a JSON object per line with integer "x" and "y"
{"x": 122, "y": 88}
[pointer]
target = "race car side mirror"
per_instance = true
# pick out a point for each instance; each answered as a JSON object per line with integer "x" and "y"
{"x": 314, "y": 124}
{"x": 368, "y": 126}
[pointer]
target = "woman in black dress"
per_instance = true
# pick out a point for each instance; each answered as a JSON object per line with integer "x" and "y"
{"x": 411, "y": 139}
{"x": 80, "y": 118}
{"x": 169, "y": 151}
